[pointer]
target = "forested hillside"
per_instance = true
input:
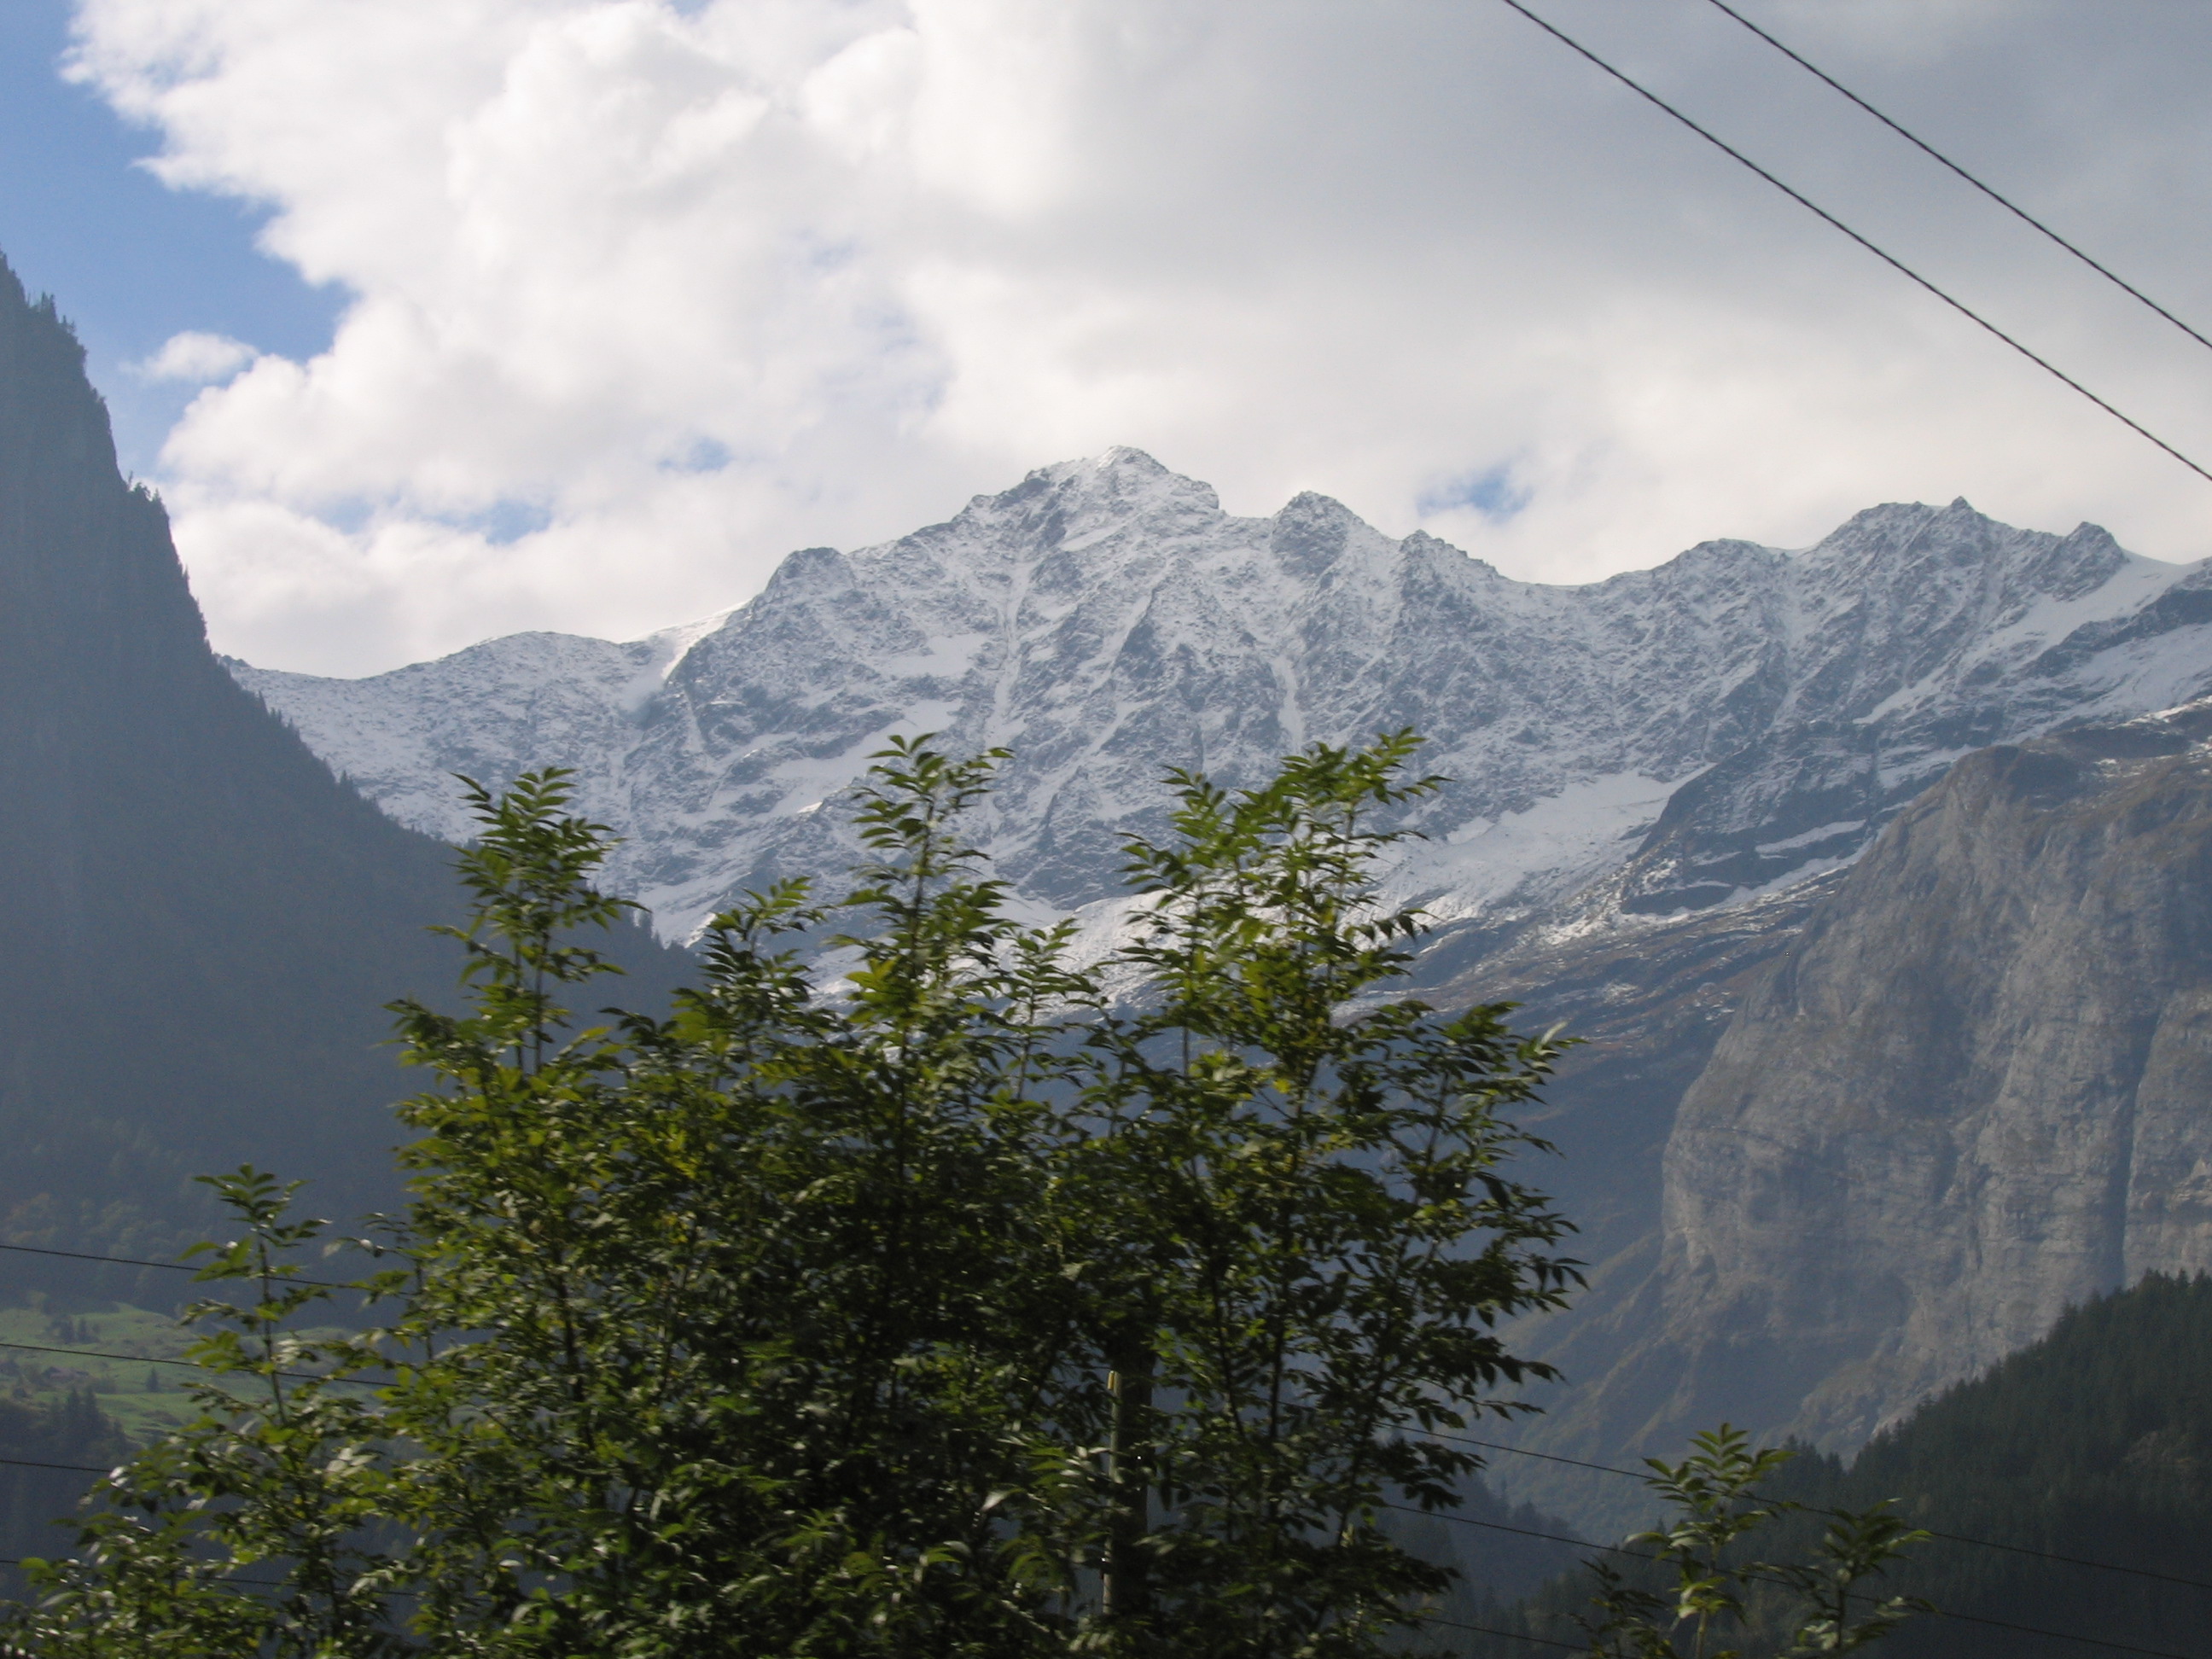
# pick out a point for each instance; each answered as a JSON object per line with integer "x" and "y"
{"x": 2081, "y": 1467}
{"x": 67, "y": 1432}
{"x": 202, "y": 924}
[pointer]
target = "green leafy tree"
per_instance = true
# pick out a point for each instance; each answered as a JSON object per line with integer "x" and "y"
{"x": 936, "y": 1307}
{"x": 1311, "y": 1231}
{"x": 766, "y": 1333}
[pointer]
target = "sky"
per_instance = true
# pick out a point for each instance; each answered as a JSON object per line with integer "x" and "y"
{"x": 437, "y": 319}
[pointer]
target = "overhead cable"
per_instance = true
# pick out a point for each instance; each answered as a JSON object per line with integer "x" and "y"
{"x": 194, "y": 1365}
{"x": 1509, "y": 1635}
{"x": 1929, "y": 150}
{"x": 73, "y": 1468}
{"x": 166, "y": 1266}
{"x": 258, "y": 1583}
{"x": 1886, "y": 257}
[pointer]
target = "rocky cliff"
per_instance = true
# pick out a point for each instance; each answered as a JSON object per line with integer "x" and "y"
{"x": 1974, "y": 1088}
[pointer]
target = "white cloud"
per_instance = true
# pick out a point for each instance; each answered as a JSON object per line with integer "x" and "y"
{"x": 199, "y": 358}
{"x": 644, "y": 295}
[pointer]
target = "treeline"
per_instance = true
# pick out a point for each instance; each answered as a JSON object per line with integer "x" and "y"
{"x": 69, "y": 1430}
{"x": 2091, "y": 1446}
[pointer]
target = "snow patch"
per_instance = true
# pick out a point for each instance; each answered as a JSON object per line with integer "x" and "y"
{"x": 1565, "y": 838}
{"x": 1810, "y": 837}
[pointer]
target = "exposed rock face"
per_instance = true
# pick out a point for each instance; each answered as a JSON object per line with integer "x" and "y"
{"x": 1975, "y": 1088}
{"x": 1765, "y": 710}
{"x": 1645, "y": 1005}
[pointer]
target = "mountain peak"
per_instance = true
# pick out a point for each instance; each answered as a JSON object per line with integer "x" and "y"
{"x": 1312, "y": 532}
{"x": 1122, "y": 478}
{"x": 1106, "y": 620}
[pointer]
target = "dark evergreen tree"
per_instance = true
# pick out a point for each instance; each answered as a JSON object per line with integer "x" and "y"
{"x": 2080, "y": 1466}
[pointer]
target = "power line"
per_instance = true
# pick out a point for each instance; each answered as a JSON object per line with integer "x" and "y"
{"x": 1509, "y": 1635}
{"x": 1929, "y": 150}
{"x": 1886, "y": 257}
{"x": 259, "y": 1583}
{"x": 2070, "y": 1560}
{"x": 99, "y": 1354}
{"x": 1523, "y": 1451}
{"x": 74, "y": 1468}
{"x": 166, "y": 1266}
{"x": 1525, "y": 1531}
{"x": 1948, "y": 1537}
{"x": 149, "y": 1359}
{"x": 2057, "y": 1635}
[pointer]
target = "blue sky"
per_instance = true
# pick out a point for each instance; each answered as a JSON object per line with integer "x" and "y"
{"x": 130, "y": 261}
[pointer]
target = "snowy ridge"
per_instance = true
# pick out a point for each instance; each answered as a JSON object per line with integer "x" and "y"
{"x": 1668, "y": 740}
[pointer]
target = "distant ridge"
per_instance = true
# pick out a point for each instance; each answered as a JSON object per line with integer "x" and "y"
{"x": 1657, "y": 781}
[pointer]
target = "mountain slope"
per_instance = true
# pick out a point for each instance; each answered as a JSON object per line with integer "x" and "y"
{"x": 2003, "y": 1022}
{"x": 2084, "y": 1457}
{"x": 203, "y": 923}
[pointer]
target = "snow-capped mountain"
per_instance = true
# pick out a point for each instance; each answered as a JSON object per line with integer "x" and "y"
{"x": 1656, "y": 782}
{"x": 1668, "y": 740}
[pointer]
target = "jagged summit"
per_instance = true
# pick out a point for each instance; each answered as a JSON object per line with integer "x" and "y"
{"x": 1106, "y": 504}
{"x": 1667, "y": 738}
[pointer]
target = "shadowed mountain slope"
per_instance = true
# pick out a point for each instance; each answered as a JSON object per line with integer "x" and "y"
{"x": 202, "y": 924}
{"x": 2078, "y": 1467}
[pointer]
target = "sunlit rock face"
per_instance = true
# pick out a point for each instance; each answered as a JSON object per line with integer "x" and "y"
{"x": 1978, "y": 1087}
{"x": 1668, "y": 740}
{"x": 1963, "y": 1084}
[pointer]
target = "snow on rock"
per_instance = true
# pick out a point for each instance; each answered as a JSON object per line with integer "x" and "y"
{"x": 1664, "y": 740}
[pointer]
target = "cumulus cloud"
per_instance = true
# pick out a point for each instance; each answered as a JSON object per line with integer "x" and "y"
{"x": 197, "y": 357}
{"x": 644, "y": 294}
